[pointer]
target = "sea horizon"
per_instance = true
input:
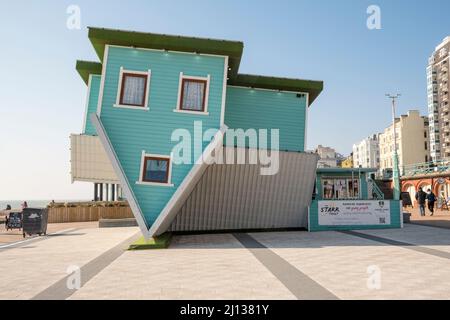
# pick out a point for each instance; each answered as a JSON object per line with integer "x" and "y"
{"x": 17, "y": 204}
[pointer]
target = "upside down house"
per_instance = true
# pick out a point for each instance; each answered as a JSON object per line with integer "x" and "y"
{"x": 146, "y": 88}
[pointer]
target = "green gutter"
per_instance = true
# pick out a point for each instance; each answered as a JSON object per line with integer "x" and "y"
{"x": 100, "y": 37}
{"x": 314, "y": 88}
{"x": 86, "y": 68}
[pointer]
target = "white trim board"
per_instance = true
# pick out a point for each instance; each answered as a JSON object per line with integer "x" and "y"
{"x": 102, "y": 82}
{"x": 224, "y": 91}
{"x": 129, "y": 194}
{"x": 167, "y": 51}
{"x": 305, "y": 147}
{"x": 88, "y": 97}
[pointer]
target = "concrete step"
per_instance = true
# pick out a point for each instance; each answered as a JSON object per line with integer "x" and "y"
{"x": 117, "y": 223}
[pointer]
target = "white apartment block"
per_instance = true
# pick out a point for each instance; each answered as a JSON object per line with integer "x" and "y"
{"x": 366, "y": 153}
{"x": 438, "y": 101}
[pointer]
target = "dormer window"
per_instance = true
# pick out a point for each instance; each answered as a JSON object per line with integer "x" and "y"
{"x": 133, "y": 89}
{"x": 193, "y": 94}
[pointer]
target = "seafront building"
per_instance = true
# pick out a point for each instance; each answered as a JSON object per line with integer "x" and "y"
{"x": 366, "y": 153}
{"x": 438, "y": 101}
{"x": 347, "y": 162}
{"x": 328, "y": 158}
{"x": 412, "y": 141}
{"x": 164, "y": 121}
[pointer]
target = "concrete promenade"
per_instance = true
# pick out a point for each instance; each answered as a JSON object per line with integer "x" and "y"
{"x": 413, "y": 263}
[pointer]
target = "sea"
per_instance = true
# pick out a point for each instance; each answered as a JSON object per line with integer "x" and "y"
{"x": 16, "y": 204}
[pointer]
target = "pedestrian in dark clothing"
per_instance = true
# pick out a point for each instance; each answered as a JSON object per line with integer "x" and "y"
{"x": 431, "y": 201}
{"x": 421, "y": 198}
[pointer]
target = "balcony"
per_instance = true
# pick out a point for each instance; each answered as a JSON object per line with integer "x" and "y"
{"x": 89, "y": 162}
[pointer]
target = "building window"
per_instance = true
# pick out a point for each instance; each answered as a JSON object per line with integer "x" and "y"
{"x": 133, "y": 89}
{"x": 193, "y": 94}
{"x": 340, "y": 188}
{"x": 155, "y": 170}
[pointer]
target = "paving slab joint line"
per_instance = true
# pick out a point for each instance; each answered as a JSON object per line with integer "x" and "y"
{"x": 405, "y": 245}
{"x": 60, "y": 291}
{"x": 297, "y": 282}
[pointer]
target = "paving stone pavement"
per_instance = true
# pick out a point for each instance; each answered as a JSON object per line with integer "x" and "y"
{"x": 220, "y": 266}
{"x": 32, "y": 267}
{"x": 341, "y": 263}
{"x": 195, "y": 267}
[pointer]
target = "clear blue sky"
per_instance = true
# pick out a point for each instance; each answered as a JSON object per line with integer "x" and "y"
{"x": 42, "y": 98}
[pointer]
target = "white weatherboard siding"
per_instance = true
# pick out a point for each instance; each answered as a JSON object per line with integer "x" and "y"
{"x": 89, "y": 161}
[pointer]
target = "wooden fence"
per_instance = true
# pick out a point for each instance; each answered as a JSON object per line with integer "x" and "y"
{"x": 83, "y": 213}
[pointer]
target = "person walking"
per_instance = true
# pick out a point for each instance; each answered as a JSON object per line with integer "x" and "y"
{"x": 431, "y": 197}
{"x": 421, "y": 198}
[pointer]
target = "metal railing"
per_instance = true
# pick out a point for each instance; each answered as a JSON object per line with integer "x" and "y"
{"x": 426, "y": 168}
{"x": 376, "y": 191}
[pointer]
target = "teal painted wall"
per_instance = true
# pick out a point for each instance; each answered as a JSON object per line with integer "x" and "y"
{"x": 92, "y": 103}
{"x": 262, "y": 109}
{"x": 314, "y": 219}
{"x": 364, "y": 186}
{"x": 132, "y": 131}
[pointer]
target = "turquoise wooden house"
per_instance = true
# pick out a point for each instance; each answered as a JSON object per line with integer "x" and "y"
{"x": 149, "y": 90}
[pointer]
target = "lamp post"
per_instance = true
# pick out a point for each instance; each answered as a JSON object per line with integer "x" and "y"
{"x": 395, "y": 169}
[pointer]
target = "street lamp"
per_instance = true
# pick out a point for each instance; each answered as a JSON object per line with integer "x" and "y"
{"x": 395, "y": 169}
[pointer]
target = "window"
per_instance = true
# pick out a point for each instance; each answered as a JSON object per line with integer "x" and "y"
{"x": 340, "y": 188}
{"x": 133, "y": 89}
{"x": 193, "y": 94}
{"x": 155, "y": 170}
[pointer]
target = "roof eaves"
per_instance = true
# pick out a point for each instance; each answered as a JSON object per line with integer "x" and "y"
{"x": 312, "y": 87}
{"x": 233, "y": 49}
{"x": 86, "y": 68}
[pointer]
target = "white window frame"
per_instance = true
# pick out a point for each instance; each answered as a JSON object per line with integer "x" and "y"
{"x": 180, "y": 84}
{"x": 147, "y": 89}
{"x": 141, "y": 171}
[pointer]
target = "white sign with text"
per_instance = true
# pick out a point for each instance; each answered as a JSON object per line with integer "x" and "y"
{"x": 354, "y": 213}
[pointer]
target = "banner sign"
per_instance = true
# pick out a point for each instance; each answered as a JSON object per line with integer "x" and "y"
{"x": 354, "y": 213}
